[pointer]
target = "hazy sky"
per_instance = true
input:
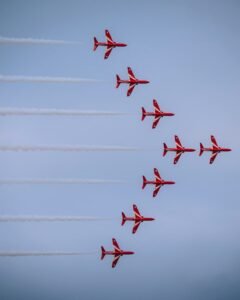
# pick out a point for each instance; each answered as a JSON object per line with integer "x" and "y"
{"x": 190, "y": 51}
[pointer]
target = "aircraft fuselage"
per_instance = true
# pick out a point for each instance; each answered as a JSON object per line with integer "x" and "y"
{"x": 121, "y": 253}
{"x": 113, "y": 44}
{"x": 180, "y": 150}
{"x": 156, "y": 182}
{"x": 217, "y": 150}
{"x": 137, "y": 81}
{"x": 138, "y": 219}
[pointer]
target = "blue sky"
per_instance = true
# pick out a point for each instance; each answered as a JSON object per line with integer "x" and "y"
{"x": 189, "y": 50}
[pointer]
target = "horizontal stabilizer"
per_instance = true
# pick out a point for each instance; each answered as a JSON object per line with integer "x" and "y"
{"x": 143, "y": 113}
{"x": 144, "y": 182}
{"x": 103, "y": 252}
{"x": 95, "y": 44}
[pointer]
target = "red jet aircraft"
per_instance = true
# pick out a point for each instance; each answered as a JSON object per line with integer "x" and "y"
{"x": 138, "y": 219}
{"x": 109, "y": 44}
{"x": 117, "y": 253}
{"x": 179, "y": 149}
{"x": 158, "y": 182}
{"x": 132, "y": 81}
{"x": 157, "y": 114}
{"x": 215, "y": 149}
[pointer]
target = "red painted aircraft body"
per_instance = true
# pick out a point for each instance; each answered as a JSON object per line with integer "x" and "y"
{"x": 215, "y": 149}
{"x": 109, "y": 44}
{"x": 117, "y": 253}
{"x": 179, "y": 149}
{"x": 158, "y": 182}
{"x": 132, "y": 81}
{"x": 157, "y": 114}
{"x": 137, "y": 219}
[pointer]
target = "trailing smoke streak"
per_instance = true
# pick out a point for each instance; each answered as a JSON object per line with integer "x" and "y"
{"x": 68, "y": 148}
{"x": 58, "y": 181}
{"x": 50, "y": 219}
{"x": 39, "y": 79}
{"x": 8, "y": 40}
{"x": 14, "y": 254}
{"x": 55, "y": 112}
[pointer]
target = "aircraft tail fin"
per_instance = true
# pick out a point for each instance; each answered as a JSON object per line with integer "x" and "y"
{"x": 201, "y": 149}
{"x": 103, "y": 252}
{"x": 95, "y": 43}
{"x": 165, "y": 149}
{"x": 144, "y": 182}
{"x": 123, "y": 218}
{"x": 143, "y": 113}
{"x": 118, "y": 81}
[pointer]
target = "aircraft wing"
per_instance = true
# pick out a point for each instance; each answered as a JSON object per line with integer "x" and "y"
{"x": 131, "y": 74}
{"x": 178, "y": 142}
{"x": 177, "y": 157}
{"x": 156, "y": 106}
{"x": 214, "y": 155}
{"x": 136, "y": 211}
{"x": 135, "y": 227}
{"x": 155, "y": 122}
{"x": 157, "y": 188}
{"x": 115, "y": 245}
{"x": 108, "y": 51}
{"x": 108, "y": 36}
{"x": 215, "y": 144}
{"x": 157, "y": 174}
{"x": 115, "y": 260}
{"x": 130, "y": 89}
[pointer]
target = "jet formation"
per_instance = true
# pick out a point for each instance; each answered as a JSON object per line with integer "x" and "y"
{"x": 179, "y": 149}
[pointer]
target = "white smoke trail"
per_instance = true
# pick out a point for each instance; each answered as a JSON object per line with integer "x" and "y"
{"x": 14, "y": 254}
{"x": 55, "y": 112}
{"x": 69, "y": 148}
{"x": 57, "y": 181}
{"x": 50, "y": 219}
{"x": 8, "y": 40}
{"x": 40, "y": 79}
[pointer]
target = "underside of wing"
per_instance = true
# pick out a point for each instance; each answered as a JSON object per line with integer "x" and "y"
{"x": 136, "y": 211}
{"x": 155, "y": 192}
{"x": 155, "y": 122}
{"x": 115, "y": 261}
{"x": 115, "y": 245}
{"x": 177, "y": 157}
{"x": 135, "y": 227}
{"x": 131, "y": 74}
{"x": 178, "y": 142}
{"x": 156, "y": 106}
{"x": 108, "y": 51}
{"x": 108, "y": 36}
{"x": 157, "y": 174}
{"x": 130, "y": 89}
{"x": 214, "y": 142}
{"x": 213, "y": 157}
